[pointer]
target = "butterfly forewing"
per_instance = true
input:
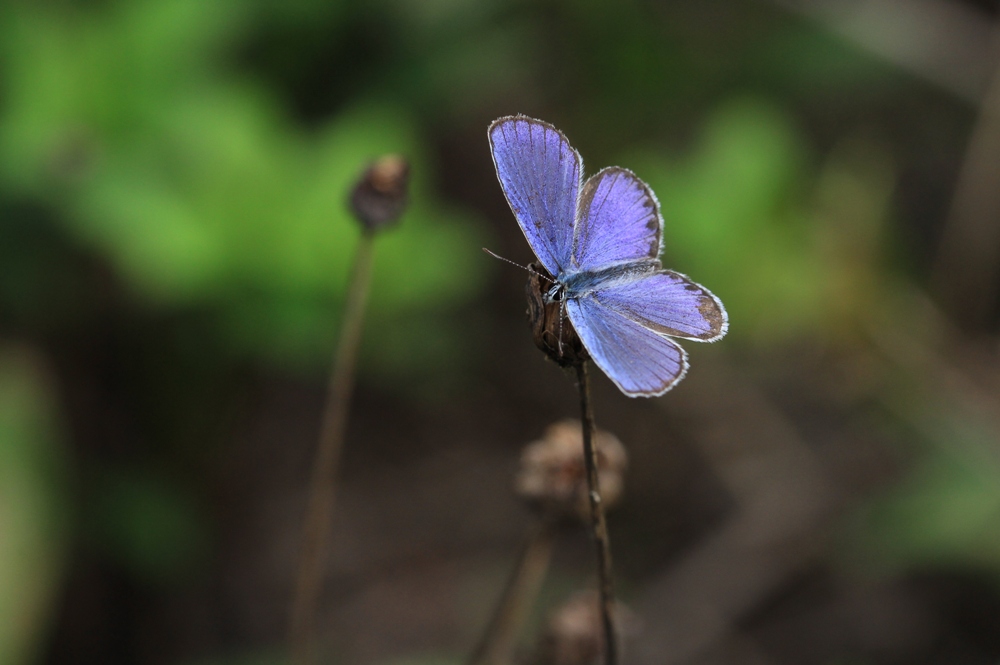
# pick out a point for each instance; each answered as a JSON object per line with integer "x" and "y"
{"x": 668, "y": 303}
{"x": 618, "y": 220}
{"x": 638, "y": 360}
{"x": 540, "y": 174}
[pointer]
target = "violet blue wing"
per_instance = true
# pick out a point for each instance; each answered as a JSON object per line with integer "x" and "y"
{"x": 618, "y": 221}
{"x": 540, "y": 174}
{"x": 668, "y": 303}
{"x": 639, "y": 361}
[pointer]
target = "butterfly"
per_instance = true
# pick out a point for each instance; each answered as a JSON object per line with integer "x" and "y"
{"x": 601, "y": 241}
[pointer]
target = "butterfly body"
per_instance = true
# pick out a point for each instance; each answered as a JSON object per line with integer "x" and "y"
{"x": 580, "y": 283}
{"x": 601, "y": 240}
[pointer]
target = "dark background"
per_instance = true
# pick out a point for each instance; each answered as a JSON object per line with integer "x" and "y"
{"x": 823, "y": 488}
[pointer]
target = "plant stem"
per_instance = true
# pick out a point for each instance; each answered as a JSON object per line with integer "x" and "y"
{"x": 599, "y": 526}
{"x": 498, "y": 642}
{"x": 316, "y": 528}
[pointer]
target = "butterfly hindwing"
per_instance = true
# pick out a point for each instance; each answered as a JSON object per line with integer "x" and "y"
{"x": 668, "y": 303}
{"x": 618, "y": 220}
{"x": 638, "y": 360}
{"x": 540, "y": 173}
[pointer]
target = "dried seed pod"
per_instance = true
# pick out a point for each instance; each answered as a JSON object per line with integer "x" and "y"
{"x": 573, "y": 633}
{"x": 552, "y": 331}
{"x": 381, "y": 195}
{"x": 552, "y": 476}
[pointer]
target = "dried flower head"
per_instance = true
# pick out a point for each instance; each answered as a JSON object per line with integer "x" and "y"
{"x": 380, "y": 196}
{"x": 552, "y": 476}
{"x": 552, "y": 331}
{"x": 573, "y": 633}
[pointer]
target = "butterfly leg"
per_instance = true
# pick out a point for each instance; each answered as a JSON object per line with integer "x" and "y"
{"x": 562, "y": 317}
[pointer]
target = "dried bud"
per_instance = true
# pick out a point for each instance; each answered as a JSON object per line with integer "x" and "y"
{"x": 574, "y": 634}
{"x": 553, "y": 475}
{"x": 380, "y": 196}
{"x": 553, "y": 333}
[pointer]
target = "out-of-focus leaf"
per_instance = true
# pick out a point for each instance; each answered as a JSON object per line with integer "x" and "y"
{"x": 740, "y": 218}
{"x": 149, "y": 525}
{"x": 945, "y": 511}
{"x": 200, "y": 191}
{"x": 821, "y": 66}
{"x": 732, "y": 221}
{"x": 34, "y": 512}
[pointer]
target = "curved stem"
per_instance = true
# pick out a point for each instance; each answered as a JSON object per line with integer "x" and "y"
{"x": 599, "y": 526}
{"x": 500, "y": 638}
{"x": 322, "y": 493}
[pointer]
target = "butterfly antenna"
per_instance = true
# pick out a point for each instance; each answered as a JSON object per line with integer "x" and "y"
{"x": 514, "y": 263}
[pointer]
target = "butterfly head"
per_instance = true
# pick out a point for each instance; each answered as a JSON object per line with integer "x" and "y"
{"x": 556, "y": 293}
{"x": 552, "y": 330}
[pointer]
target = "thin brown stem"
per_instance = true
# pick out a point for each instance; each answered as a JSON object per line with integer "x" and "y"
{"x": 599, "y": 526}
{"x": 965, "y": 270}
{"x": 500, "y": 638}
{"x": 316, "y": 528}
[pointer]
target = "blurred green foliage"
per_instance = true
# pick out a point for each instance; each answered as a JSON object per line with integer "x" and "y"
{"x": 204, "y": 150}
{"x": 131, "y": 120}
{"x": 792, "y": 248}
{"x": 147, "y": 525}
{"x": 734, "y": 221}
{"x": 945, "y": 511}
{"x": 198, "y": 186}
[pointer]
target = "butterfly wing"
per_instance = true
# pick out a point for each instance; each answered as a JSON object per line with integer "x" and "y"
{"x": 668, "y": 303}
{"x": 540, "y": 174}
{"x": 641, "y": 362}
{"x": 618, "y": 220}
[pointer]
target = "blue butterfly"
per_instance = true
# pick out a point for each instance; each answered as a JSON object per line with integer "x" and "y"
{"x": 601, "y": 240}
